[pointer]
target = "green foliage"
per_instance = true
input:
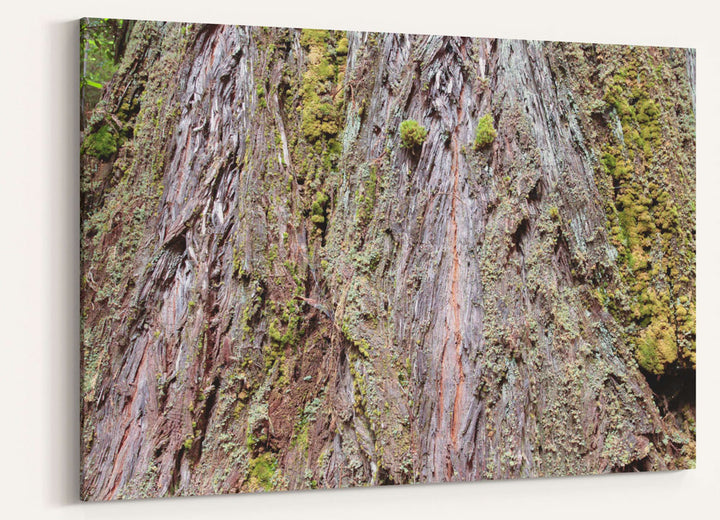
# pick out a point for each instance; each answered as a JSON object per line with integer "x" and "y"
{"x": 412, "y": 134}
{"x": 101, "y": 44}
{"x": 485, "y": 133}
{"x": 101, "y": 144}
{"x": 92, "y": 83}
{"x": 98, "y": 46}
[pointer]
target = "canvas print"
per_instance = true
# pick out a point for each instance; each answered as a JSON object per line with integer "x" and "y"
{"x": 325, "y": 258}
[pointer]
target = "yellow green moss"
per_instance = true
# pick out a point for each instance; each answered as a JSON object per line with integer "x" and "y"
{"x": 485, "y": 133}
{"x": 102, "y": 144}
{"x": 262, "y": 473}
{"x": 321, "y": 110}
{"x": 412, "y": 134}
{"x": 645, "y": 226}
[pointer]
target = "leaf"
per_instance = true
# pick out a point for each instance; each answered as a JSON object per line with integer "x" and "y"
{"x": 93, "y": 83}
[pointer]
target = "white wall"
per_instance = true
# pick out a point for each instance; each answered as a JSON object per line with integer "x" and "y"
{"x": 39, "y": 264}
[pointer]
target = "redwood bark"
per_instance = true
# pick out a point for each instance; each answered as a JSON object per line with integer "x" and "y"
{"x": 439, "y": 315}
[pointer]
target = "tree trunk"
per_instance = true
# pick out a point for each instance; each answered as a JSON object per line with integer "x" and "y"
{"x": 278, "y": 295}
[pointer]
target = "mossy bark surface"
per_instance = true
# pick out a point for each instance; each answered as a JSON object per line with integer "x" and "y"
{"x": 277, "y": 294}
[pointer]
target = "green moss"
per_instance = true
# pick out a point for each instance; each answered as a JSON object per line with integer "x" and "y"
{"x": 361, "y": 344}
{"x": 342, "y": 47}
{"x": 321, "y": 112}
{"x": 102, "y": 144}
{"x": 317, "y": 209}
{"x": 645, "y": 224}
{"x": 366, "y": 199}
{"x": 412, "y": 134}
{"x": 260, "y": 91}
{"x": 313, "y": 37}
{"x": 657, "y": 347}
{"x": 286, "y": 326}
{"x": 319, "y": 119}
{"x": 485, "y": 133}
{"x": 363, "y": 347}
{"x": 262, "y": 472}
{"x": 274, "y": 332}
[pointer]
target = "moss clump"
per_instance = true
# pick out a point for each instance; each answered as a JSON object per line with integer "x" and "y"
{"x": 260, "y": 91}
{"x": 638, "y": 113}
{"x": 342, "y": 47}
{"x": 319, "y": 119}
{"x": 317, "y": 209}
{"x": 310, "y": 37}
{"x": 102, "y": 144}
{"x": 657, "y": 347}
{"x": 321, "y": 112}
{"x": 485, "y": 133}
{"x": 412, "y": 134}
{"x": 275, "y": 334}
{"x": 262, "y": 472}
